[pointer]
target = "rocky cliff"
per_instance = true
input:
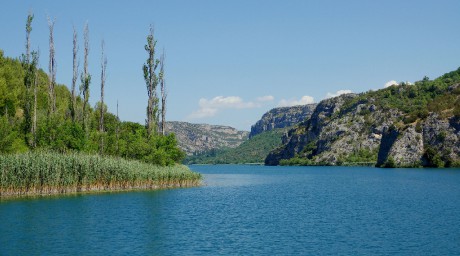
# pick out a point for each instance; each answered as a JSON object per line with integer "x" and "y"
{"x": 197, "y": 138}
{"x": 405, "y": 126}
{"x": 281, "y": 118}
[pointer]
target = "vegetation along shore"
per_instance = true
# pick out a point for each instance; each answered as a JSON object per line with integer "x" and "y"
{"x": 52, "y": 141}
{"x": 45, "y": 173}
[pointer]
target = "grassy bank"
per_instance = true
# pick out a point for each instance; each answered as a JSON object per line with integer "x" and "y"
{"x": 41, "y": 173}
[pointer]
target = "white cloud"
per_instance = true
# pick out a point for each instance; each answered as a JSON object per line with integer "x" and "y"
{"x": 210, "y": 107}
{"x": 337, "y": 93}
{"x": 203, "y": 113}
{"x": 225, "y": 102}
{"x": 265, "y": 98}
{"x": 390, "y": 83}
{"x": 293, "y": 102}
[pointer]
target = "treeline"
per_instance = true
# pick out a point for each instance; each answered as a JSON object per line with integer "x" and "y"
{"x": 36, "y": 113}
{"x": 416, "y": 100}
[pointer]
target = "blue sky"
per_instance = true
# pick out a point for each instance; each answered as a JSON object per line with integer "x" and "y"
{"x": 228, "y": 62}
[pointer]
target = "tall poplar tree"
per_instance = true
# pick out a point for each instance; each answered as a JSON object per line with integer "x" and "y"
{"x": 73, "y": 100}
{"x": 85, "y": 79}
{"x": 163, "y": 93}
{"x": 52, "y": 69}
{"x": 103, "y": 73}
{"x": 29, "y": 62}
{"x": 151, "y": 81}
{"x": 35, "y": 57}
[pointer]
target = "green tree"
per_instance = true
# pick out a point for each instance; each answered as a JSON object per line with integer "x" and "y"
{"x": 151, "y": 81}
{"x": 85, "y": 79}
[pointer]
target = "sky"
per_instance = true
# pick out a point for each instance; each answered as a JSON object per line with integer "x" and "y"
{"x": 229, "y": 62}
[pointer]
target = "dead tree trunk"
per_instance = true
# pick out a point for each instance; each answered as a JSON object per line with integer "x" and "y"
{"x": 163, "y": 94}
{"x": 52, "y": 69}
{"x": 73, "y": 101}
{"x": 117, "y": 132}
{"x": 85, "y": 79}
{"x": 101, "y": 121}
{"x": 34, "y": 121}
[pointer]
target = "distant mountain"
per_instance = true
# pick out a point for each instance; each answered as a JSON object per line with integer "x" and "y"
{"x": 199, "y": 138}
{"x": 403, "y": 125}
{"x": 265, "y": 136}
{"x": 253, "y": 150}
{"x": 281, "y": 118}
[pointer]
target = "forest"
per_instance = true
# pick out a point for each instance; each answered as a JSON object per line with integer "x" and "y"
{"x": 37, "y": 114}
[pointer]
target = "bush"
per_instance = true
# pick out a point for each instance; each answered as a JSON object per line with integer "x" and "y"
{"x": 389, "y": 163}
{"x": 433, "y": 158}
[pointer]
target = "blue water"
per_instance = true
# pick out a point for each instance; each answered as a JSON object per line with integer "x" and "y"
{"x": 250, "y": 210}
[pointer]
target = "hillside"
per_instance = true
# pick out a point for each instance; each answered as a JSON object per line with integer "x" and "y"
{"x": 281, "y": 118}
{"x": 403, "y": 125}
{"x": 253, "y": 150}
{"x": 58, "y": 132}
{"x": 265, "y": 136}
{"x": 199, "y": 138}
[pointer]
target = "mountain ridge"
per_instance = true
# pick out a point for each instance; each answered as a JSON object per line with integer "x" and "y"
{"x": 399, "y": 126}
{"x": 198, "y": 138}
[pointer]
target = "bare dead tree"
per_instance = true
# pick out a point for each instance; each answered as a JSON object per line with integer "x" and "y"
{"x": 52, "y": 69}
{"x": 85, "y": 78}
{"x": 73, "y": 101}
{"x": 117, "y": 130}
{"x": 103, "y": 74}
{"x": 163, "y": 93}
{"x": 151, "y": 81}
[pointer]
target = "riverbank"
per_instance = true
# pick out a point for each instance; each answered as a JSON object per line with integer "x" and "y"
{"x": 47, "y": 173}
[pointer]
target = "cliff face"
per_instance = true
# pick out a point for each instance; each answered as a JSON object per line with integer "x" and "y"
{"x": 435, "y": 143}
{"x": 197, "y": 138}
{"x": 281, "y": 118}
{"x": 379, "y": 128}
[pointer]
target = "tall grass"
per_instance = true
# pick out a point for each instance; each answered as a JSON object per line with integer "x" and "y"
{"x": 52, "y": 173}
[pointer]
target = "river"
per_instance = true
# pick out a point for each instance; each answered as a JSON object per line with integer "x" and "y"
{"x": 250, "y": 210}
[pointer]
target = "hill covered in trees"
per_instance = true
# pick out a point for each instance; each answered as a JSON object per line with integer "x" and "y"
{"x": 59, "y": 133}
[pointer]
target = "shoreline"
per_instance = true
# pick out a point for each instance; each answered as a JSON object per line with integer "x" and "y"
{"x": 7, "y": 195}
{"x": 45, "y": 173}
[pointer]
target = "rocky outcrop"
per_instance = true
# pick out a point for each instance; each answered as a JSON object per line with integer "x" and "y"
{"x": 343, "y": 129}
{"x": 282, "y": 117}
{"x": 197, "y": 138}
{"x": 401, "y": 148}
{"x": 411, "y": 145}
{"x": 313, "y": 136}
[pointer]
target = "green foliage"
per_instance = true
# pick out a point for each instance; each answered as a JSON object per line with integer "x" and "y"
{"x": 7, "y": 136}
{"x": 418, "y": 127}
{"x": 457, "y": 108}
{"x": 254, "y": 150}
{"x": 360, "y": 157}
{"x": 413, "y": 100}
{"x": 309, "y": 149}
{"x": 389, "y": 163}
{"x": 296, "y": 161}
{"x": 433, "y": 158}
{"x": 58, "y": 133}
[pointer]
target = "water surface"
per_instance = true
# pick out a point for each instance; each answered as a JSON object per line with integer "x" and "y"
{"x": 250, "y": 210}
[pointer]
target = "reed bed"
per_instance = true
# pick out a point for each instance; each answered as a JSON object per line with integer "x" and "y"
{"x": 41, "y": 173}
